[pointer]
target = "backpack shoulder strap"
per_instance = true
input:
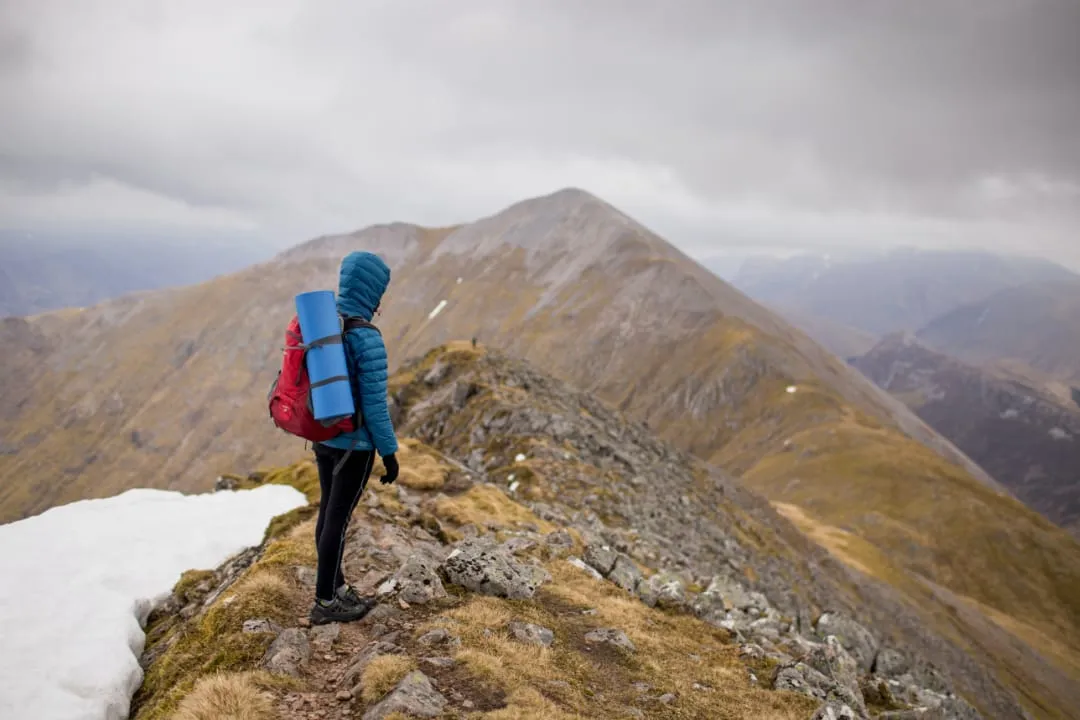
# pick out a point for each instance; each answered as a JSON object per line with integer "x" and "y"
{"x": 353, "y": 323}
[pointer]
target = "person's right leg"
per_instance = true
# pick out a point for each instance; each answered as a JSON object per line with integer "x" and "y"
{"x": 326, "y": 459}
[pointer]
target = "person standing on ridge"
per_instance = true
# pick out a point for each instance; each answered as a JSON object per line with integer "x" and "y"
{"x": 345, "y": 462}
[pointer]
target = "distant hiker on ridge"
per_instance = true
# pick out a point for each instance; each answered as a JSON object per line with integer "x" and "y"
{"x": 362, "y": 283}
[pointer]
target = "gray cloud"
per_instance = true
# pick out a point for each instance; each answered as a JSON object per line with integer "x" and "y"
{"x": 794, "y": 123}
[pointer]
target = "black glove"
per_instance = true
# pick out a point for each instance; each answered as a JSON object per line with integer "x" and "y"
{"x": 391, "y": 465}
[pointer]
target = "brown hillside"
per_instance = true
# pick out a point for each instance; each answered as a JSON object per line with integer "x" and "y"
{"x": 168, "y": 389}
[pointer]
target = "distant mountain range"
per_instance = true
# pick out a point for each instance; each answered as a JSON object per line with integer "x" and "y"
{"x": 47, "y": 273}
{"x": 900, "y": 290}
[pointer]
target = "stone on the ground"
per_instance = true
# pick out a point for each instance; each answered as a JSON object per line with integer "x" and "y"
{"x": 856, "y": 639}
{"x": 519, "y": 544}
{"x": 835, "y": 711}
{"x": 601, "y": 557}
{"x": 801, "y": 678}
{"x": 323, "y": 637}
{"x": 890, "y": 663}
{"x": 532, "y": 634}
{"x": 610, "y": 636}
{"x": 663, "y": 589}
{"x": 261, "y": 625}
{"x": 288, "y": 653}
{"x": 438, "y": 636}
{"x": 417, "y": 582}
{"x": 585, "y": 567}
{"x": 834, "y": 662}
{"x": 483, "y": 567}
{"x": 559, "y": 539}
{"x": 625, "y": 574}
{"x": 414, "y": 696}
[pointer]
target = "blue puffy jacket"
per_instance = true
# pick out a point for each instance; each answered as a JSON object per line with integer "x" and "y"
{"x": 364, "y": 278}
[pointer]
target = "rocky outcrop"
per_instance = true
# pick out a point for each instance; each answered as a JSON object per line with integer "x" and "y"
{"x": 482, "y": 566}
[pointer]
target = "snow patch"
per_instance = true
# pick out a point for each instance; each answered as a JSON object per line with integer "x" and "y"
{"x": 514, "y": 486}
{"x": 438, "y": 309}
{"x": 459, "y": 281}
{"x": 77, "y": 583}
{"x": 520, "y": 457}
{"x": 791, "y": 389}
{"x": 1010, "y": 414}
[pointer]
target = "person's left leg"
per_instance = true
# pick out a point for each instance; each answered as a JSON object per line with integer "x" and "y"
{"x": 326, "y": 459}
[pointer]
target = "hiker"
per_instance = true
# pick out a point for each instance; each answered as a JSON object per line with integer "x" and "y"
{"x": 362, "y": 283}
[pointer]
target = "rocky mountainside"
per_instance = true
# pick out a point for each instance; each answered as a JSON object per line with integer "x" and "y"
{"x": 1034, "y": 325}
{"x": 167, "y": 389}
{"x": 902, "y": 290}
{"x": 542, "y": 557}
{"x": 1023, "y": 437}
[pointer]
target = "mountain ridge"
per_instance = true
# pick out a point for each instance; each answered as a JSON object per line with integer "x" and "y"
{"x": 168, "y": 389}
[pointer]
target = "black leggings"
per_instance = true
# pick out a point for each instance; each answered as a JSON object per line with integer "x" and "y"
{"x": 339, "y": 498}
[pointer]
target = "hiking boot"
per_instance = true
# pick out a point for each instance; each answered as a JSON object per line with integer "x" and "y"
{"x": 348, "y": 595}
{"x": 338, "y": 610}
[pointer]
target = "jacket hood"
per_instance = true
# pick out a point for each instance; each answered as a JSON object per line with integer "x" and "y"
{"x": 363, "y": 281}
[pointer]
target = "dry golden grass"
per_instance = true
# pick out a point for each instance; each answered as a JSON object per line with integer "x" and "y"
{"x": 421, "y": 469}
{"x": 574, "y": 680}
{"x": 486, "y": 506}
{"x": 226, "y": 696}
{"x": 382, "y": 674}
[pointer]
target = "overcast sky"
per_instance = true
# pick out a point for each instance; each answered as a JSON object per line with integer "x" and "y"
{"x": 797, "y": 124}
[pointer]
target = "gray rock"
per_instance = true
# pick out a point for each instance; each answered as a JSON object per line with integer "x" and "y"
{"x": 664, "y": 590}
{"x": 418, "y": 582}
{"x": 559, "y": 539}
{"x": 836, "y": 711}
{"x": 854, "y": 637}
{"x": 519, "y": 544}
{"x": 601, "y": 557}
{"x": 765, "y": 629}
{"x": 890, "y": 663}
{"x": 625, "y": 574}
{"x": 437, "y": 373}
{"x": 750, "y": 651}
{"x": 801, "y": 678}
{"x": 261, "y": 625}
{"x": 438, "y": 636}
{"x": 532, "y": 634}
{"x": 439, "y": 662}
{"x": 835, "y": 663}
{"x": 288, "y": 653}
{"x": 414, "y": 696}
{"x": 582, "y": 565}
{"x": 491, "y": 570}
{"x": 323, "y": 637}
{"x": 610, "y": 636}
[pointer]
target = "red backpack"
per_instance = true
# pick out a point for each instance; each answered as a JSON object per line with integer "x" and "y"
{"x": 290, "y": 393}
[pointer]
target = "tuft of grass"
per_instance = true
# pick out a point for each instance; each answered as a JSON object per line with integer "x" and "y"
{"x": 486, "y": 506}
{"x": 421, "y": 468}
{"x": 382, "y": 674}
{"x": 226, "y": 696}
